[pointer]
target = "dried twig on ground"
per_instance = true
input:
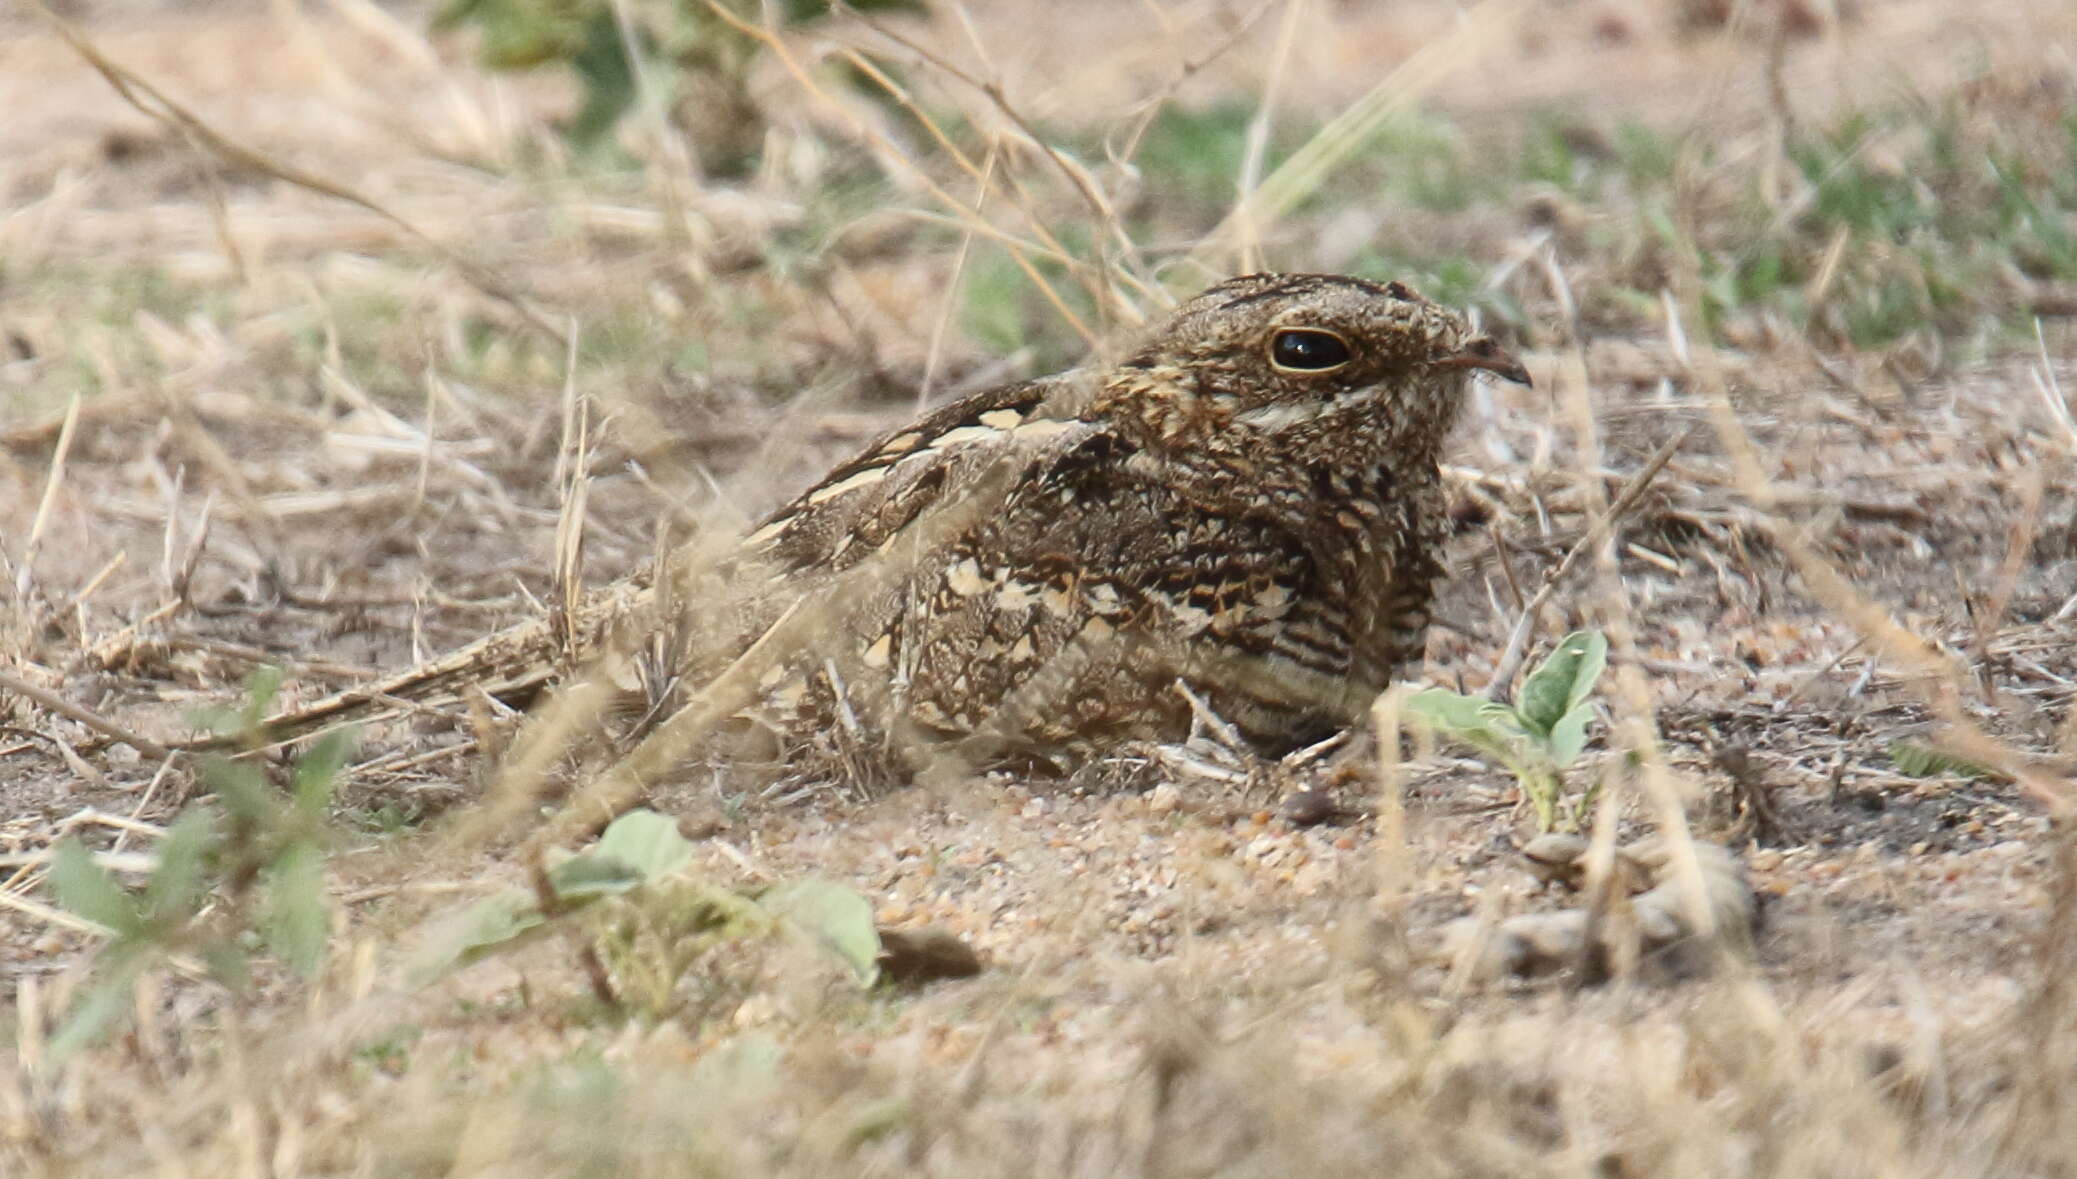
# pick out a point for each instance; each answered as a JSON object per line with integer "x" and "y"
{"x": 86, "y": 716}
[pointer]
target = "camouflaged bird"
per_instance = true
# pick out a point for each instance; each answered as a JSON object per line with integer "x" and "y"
{"x": 1249, "y": 503}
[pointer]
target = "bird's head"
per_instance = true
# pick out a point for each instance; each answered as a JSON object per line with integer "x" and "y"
{"x": 1280, "y": 356}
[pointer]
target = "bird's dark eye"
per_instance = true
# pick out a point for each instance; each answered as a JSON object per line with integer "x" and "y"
{"x": 1308, "y": 350}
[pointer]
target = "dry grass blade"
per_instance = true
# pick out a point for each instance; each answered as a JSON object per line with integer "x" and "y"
{"x": 52, "y": 482}
{"x": 1107, "y": 282}
{"x": 1257, "y": 145}
{"x": 1517, "y": 649}
{"x": 1394, "y": 859}
{"x": 669, "y": 747}
{"x": 964, "y": 214}
{"x": 2026, "y": 525}
{"x": 1637, "y": 708}
{"x": 802, "y": 628}
{"x": 573, "y": 480}
{"x": 154, "y": 103}
{"x": 948, "y": 306}
{"x": 2051, "y": 390}
{"x": 1477, "y": 33}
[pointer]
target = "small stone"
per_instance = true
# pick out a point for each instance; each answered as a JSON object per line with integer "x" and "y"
{"x": 1555, "y": 858}
{"x": 1308, "y": 808}
{"x": 925, "y": 954}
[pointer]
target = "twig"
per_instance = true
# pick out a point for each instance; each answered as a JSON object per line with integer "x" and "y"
{"x": 261, "y": 657}
{"x": 1211, "y": 720}
{"x": 86, "y": 716}
{"x": 53, "y": 916}
{"x": 1518, "y": 641}
{"x": 1782, "y": 704}
{"x": 144, "y": 863}
{"x": 1514, "y": 586}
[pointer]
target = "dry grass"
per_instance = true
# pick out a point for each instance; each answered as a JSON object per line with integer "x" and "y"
{"x": 247, "y": 423}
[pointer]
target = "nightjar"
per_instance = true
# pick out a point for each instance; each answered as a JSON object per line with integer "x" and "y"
{"x": 1248, "y": 502}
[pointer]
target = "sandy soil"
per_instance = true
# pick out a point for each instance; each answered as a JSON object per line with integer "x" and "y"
{"x": 253, "y": 478}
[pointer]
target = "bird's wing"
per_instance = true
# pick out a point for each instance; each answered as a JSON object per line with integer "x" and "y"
{"x": 962, "y": 451}
{"x": 1068, "y": 613}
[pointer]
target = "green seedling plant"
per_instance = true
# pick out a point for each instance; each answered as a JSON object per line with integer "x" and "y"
{"x": 642, "y": 919}
{"x": 239, "y": 871}
{"x": 1916, "y": 759}
{"x": 1540, "y": 735}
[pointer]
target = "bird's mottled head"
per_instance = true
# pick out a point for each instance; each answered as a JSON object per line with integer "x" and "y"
{"x": 1272, "y": 353}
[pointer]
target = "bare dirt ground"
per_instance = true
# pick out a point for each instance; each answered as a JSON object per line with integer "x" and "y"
{"x": 246, "y": 423}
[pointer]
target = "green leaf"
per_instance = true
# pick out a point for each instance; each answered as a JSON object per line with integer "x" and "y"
{"x": 228, "y": 963}
{"x": 1488, "y": 727}
{"x": 516, "y": 34}
{"x": 647, "y": 842}
{"x": 108, "y": 1002}
{"x": 1569, "y": 735}
{"x": 242, "y": 789}
{"x": 90, "y": 891}
{"x": 494, "y": 921}
{"x": 797, "y": 12}
{"x": 835, "y": 917}
{"x": 591, "y": 876}
{"x": 639, "y": 847}
{"x": 1540, "y": 785}
{"x": 317, "y": 771}
{"x": 1453, "y": 713}
{"x": 876, "y": 1119}
{"x": 260, "y": 689}
{"x": 1563, "y": 682}
{"x": 1923, "y": 761}
{"x": 297, "y": 920}
{"x": 176, "y": 887}
{"x": 609, "y": 82}
{"x": 491, "y": 924}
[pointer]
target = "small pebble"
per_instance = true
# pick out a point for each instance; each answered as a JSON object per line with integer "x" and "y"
{"x": 1307, "y": 808}
{"x": 910, "y": 956}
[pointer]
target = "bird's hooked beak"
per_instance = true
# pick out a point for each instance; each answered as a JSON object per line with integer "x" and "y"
{"x": 1483, "y": 353}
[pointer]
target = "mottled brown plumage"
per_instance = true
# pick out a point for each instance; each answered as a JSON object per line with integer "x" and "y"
{"x": 1249, "y": 502}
